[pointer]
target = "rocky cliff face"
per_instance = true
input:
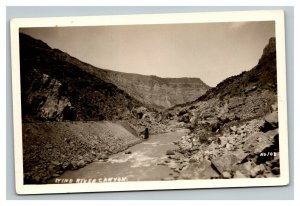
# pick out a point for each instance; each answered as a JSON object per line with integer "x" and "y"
{"x": 54, "y": 88}
{"x": 161, "y": 93}
{"x": 43, "y": 98}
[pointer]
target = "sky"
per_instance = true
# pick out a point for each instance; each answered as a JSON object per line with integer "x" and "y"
{"x": 209, "y": 51}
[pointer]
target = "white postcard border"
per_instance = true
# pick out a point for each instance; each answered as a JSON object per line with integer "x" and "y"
{"x": 142, "y": 19}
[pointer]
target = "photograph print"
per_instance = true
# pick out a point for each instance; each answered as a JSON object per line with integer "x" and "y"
{"x": 164, "y": 103}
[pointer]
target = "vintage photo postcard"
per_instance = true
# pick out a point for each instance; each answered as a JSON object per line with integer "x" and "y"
{"x": 149, "y": 102}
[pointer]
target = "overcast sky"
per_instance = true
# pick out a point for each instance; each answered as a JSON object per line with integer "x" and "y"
{"x": 210, "y": 51}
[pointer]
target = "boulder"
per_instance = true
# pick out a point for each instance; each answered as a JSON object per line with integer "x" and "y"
{"x": 182, "y": 112}
{"x": 226, "y": 162}
{"x": 257, "y": 170}
{"x": 73, "y": 165}
{"x": 257, "y": 142}
{"x": 240, "y": 154}
{"x": 175, "y": 157}
{"x": 269, "y": 153}
{"x": 193, "y": 120}
{"x": 250, "y": 89}
{"x": 53, "y": 168}
{"x": 128, "y": 152}
{"x": 207, "y": 114}
{"x": 170, "y": 152}
{"x": 87, "y": 158}
{"x": 55, "y": 175}
{"x": 104, "y": 156}
{"x": 276, "y": 170}
{"x": 233, "y": 129}
{"x": 247, "y": 166}
{"x": 139, "y": 112}
{"x": 185, "y": 143}
{"x": 192, "y": 160}
{"x": 229, "y": 146}
{"x": 215, "y": 126}
{"x": 232, "y": 139}
{"x": 226, "y": 175}
{"x": 65, "y": 165}
{"x": 274, "y": 107}
{"x": 271, "y": 122}
{"x": 184, "y": 118}
{"x": 238, "y": 174}
{"x": 222, "y": 141}
{"x": 81, "y": 163}
{"x": 55, "y": 163}
{"x": 173, "y": 165}
{"x": 272, "y": 134}
{"x": 201, "y": 170}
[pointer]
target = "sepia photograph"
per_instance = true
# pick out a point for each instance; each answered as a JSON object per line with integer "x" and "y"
{"x": 149, "y": 102}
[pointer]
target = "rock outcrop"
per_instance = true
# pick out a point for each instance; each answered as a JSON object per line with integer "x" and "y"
{"x": 44, "y": 100}
{"x": 54, "y": 87}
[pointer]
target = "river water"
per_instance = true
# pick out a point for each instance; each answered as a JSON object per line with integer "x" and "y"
{"x": 142, "y": 164}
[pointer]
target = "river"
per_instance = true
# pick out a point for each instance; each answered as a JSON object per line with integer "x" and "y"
{"x": 142, "y": 164}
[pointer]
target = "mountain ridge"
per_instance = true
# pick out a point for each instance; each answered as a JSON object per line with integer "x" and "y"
{"x": 249, "y": 95}
{"x": 160, "y": 92}
{"x": 157, "y": 92}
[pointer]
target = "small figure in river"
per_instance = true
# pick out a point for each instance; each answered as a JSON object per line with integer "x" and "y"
{"x": 146, "y": 135}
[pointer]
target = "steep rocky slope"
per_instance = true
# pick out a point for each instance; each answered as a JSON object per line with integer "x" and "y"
{"x": 55, "y": 89}
{"x": 262, "y": 77}
{"x": 51, "y": 148}
{"x": 233, "y": 125}
{"x": 238, "y": 98}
